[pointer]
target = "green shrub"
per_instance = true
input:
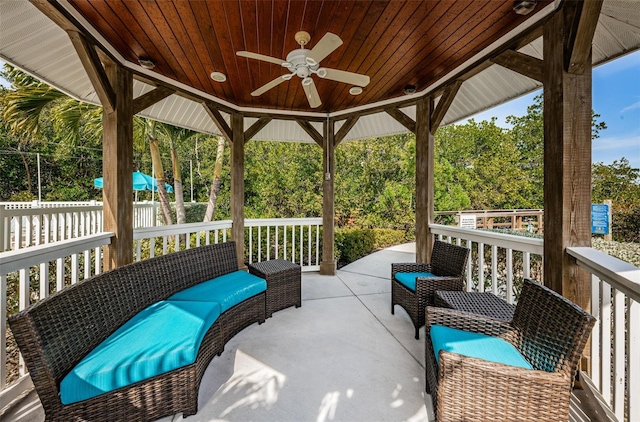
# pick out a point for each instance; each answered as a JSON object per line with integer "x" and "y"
{"x": 626, "y": 225}
{"x": 384, "y": 238}
{"x": 22, "y": 196}
{"x": 626, "y": 251}
{"x": 353, "y": 243}
{"x": 194, "y": 211}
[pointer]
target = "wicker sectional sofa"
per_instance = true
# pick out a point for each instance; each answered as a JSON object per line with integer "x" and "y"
{"x": 61, "y": 336}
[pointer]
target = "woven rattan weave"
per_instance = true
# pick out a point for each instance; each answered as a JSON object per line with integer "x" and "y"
{"x": 283, "y": 283}
{"x": 548, "y": 330}
{"x": 480, "y": 303}
{"x": 57, "y": 332}
{"x": 448, "y": 264}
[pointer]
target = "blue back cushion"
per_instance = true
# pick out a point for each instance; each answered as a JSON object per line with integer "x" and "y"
{"x": 409, "y": 279}
{"x": 492, "y": 349}
{"x": 163, "y": 337}
{"x": 228, "y": 290}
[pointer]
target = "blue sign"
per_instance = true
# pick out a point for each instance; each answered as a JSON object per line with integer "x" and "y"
{"x": 600, "y": 219}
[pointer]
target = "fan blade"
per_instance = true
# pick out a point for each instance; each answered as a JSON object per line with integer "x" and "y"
{"x": 312, "y": 94}
{"x": 264, "y": 88}
{"x": 262, "y": 57}
{"x": 323, "y": 48}
{"x": 356, "y": 79}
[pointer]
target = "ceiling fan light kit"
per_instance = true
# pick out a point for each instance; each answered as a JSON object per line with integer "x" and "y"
{"x": 218, "y": 76}
{"x": 305, "y": 63}
{"x": 355, "y": 90}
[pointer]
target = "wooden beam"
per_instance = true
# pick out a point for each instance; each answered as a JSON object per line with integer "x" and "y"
{"x": 256, "y": 127}
{"x": 219, "y": 121}
{"x": 150, "y": 98}
{"x": 237, "y": 185}
{"x": 95, "y": 70}
{"x": 446, "y": 99}
{"x": 522, "y": 63}
{"x": 304, "y": 124}
{"x": 567, "y": 166}
{"x": 117, "y": 168}
{"x": 49, "y": 10}
{"x": 344, "y": 129}
{"x": 484, "y": 63}
{"x": 424, "y": 180}
{"x": 582, "y": 38}
{"x": 328, "y": 263}
{"x": 401, "y": 118}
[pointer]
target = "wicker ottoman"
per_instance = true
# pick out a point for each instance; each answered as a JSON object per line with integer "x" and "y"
{"x": 479, "y": 303}
{"x": 283, "y": 283}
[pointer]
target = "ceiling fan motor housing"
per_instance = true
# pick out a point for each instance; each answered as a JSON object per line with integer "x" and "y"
{"x": 299, "y": 65}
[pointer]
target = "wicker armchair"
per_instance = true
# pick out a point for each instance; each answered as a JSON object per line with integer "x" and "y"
{"x": 549, "y": 331}
{"x": 448, "y": 264}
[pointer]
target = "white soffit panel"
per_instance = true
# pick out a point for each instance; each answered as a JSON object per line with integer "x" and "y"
{"x": 189, "y": 114}
{"x": 32, "y": 42}
{"x": 489, "y": 88}
{"x": 286, "y": 131}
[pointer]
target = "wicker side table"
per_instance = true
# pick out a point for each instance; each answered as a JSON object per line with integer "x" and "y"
{"x": 283, "y": 283}
{"x": 479, "y": 303}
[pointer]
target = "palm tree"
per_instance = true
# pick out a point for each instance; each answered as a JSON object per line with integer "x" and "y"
{"x": 32, "y": 101}
{"x": 176, "y": 135}
{"x": 215, "y": 186}
{"x": 156, "y": 162}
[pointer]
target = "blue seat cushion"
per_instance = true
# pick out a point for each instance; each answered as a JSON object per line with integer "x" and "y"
{"x": 475, "y": 345}
{"x": 163, "y": 337}
{"x": 228, "y": 290}
{"x": 409, "y": 279}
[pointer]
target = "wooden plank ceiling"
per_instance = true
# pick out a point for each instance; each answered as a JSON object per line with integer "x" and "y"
{"x": 395, "y": 43}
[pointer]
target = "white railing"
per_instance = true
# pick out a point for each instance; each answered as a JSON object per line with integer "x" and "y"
{"x": 25, "y": 227}
{"x": 36, "y": 204}
{"x": 174, "y": 237}
{"x": 33, "y": 271}
{"x": 497, "y": 260}
{"x": 24, "y": 224}
{"x": 615, "y": 341}
{"x": 293, "y": 239}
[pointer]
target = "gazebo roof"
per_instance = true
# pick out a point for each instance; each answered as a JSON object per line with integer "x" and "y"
{"x": 424, "y": 44}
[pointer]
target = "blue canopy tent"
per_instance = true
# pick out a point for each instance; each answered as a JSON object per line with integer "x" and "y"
{"x": 141, "y": 181}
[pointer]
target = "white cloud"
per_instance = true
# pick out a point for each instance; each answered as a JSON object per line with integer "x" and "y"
{"x": 633, "y": 106}
{"x": 608, "y": 149}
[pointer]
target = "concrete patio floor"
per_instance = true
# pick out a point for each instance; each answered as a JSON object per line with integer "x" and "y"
{"x": 342, "y": 356}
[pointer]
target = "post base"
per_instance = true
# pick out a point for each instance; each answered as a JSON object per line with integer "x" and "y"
{"x": 328, "y": 268}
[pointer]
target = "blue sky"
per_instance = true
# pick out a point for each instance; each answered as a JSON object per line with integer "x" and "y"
{"x": 616, "y": 97}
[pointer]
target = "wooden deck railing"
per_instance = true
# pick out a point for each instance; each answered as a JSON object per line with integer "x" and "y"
{"x": 615, "y": 342}
{"x": 25, "y": 224}
{"x": 498, "y": 262}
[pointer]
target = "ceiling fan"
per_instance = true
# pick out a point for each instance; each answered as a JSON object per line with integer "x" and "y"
{"x": 305, "y": 63}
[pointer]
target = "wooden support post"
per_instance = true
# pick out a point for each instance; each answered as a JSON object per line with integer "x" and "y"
{"x": 424, "y": 179}
{"x": 567, "y": 163}
{"x": 237, "y": 185}
{"x": 328, "y": 263}
{"x": 117, "y": 167}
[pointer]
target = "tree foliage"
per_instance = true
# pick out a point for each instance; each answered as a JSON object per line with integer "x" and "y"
{"x": 478, "y": 165}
